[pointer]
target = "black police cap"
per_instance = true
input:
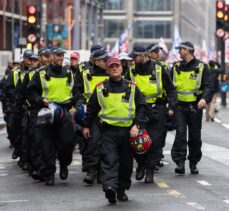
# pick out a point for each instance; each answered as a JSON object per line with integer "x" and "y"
{"x": 154, "y": 47}
{"x": 44, "y": 51}
{"x": 187, "y": 45}
{"x": 27, "y": 54}
{"x": 102, "y": 54}
{"x": 139, "y": 50}
{"x": 58, "y": 51}
{"x": 96, "y": 48}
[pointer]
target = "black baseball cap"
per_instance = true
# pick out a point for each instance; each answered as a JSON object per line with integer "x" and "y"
{"x": 187, "y": 45}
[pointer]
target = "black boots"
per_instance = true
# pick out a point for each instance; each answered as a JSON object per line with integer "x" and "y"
{"x": 50, "y": 180}
{"x": 121, "y": 195}
{"x": 180, "y": 169}
{"x": 149, "y": 176}
{"x": 193, "y": 169}
{"x": 140, "y": 173}
{"x": 111, "y": 195}
{"x": 90, "y": 177}
{"x": 63, "y": 172}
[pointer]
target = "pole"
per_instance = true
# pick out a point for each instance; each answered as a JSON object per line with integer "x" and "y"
{"x": 76, "y": 40}
{"x": 223, "y": 94}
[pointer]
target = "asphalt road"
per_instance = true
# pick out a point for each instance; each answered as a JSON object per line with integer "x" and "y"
{"x": 207, "y": 191}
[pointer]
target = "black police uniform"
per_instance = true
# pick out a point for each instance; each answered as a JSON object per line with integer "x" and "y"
{"x": 157, "y": 113}
{"x": 90, "y": 154}
{"x": 116, "y": 154}
{"x": 188, "y": 114}
{"x": 56, "y": 140}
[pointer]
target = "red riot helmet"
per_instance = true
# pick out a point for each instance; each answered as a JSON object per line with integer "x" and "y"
{"x": 141, "y": 143}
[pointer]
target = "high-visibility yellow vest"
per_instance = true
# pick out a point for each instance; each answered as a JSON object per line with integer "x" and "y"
{"x": 188, "y": 83}
{"x": 150, "y": 87}
{"x": 56, "y": 89}
{"x": 115, "y": 109}
{"x": 90, "y": 82}
{"x": 16, "y": 76}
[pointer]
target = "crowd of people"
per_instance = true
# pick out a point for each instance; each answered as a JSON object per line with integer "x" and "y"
{"x": 99, "y": 105}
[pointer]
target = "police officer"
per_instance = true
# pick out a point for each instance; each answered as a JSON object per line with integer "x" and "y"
{"x": 84, "y": 87}
{"x": 44, "y": 55}
{"x": 155, "y": 54}
{"x": 194, "y": 91}
{"x": 126, "y": 62}
{"x": 121, "y": 109}
{"x": 10, "y": 91}
{"x": 155, "y": 83}
{"x": 54, "y": 84}
{"x": 210, "y": 108}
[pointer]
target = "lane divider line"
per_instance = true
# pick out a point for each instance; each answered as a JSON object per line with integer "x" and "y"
{"x": 162, "y": 185}
{"x": 195, "y": 205}
{"x": 174, "y": 193}
{"x": 205, "y": 183}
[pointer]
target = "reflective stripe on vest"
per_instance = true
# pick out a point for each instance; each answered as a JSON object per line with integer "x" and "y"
{"x": 16, "y": 77}
{"x": 89, "y": 85}
{"x": 188, "y": 83}
{"x": 150, "y": 89}
{"x": 56, "y": 89}
{"x": 115, "y": 110}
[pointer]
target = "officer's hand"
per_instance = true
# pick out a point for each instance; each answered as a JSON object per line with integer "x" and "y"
{"x": 202, "y": 104}
{"x": 72, "y": 110}
{"x": 45, "y": 101}
{"x": 134, "y": 131}
{"x": 171, "y": 113}
{"x": 86, "y": 133}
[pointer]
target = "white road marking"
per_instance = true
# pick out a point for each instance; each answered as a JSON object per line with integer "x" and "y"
{"x": 226, "y": 201}
{"x": 226, "y": 125}
{"x": 166, "y": 152}
{"x": 217, "y": 153}
{"x": 217, "y": 120}
{"x": 14, "y": 201}
{"x": 205, "y": 183}
{"x": 3, "y": 175}
{"x": 195, "y": 205}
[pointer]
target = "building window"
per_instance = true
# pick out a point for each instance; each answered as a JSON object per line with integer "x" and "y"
{"x": 152, "y": 29}
{"x": 114, "y": 5}
{"x": 155, "y": 5}
{"x": 114, "y": 28}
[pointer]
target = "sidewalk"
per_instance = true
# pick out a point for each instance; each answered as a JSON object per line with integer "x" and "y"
{"x": 223, "y": 112}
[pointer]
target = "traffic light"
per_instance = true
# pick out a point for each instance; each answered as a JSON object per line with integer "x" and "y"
{"x": 33, "y": 24}
{"x": 220, "y": 15}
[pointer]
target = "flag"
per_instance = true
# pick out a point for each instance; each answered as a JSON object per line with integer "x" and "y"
{"x": 122, "y": 43}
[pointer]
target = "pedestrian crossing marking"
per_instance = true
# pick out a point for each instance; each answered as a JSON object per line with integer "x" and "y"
{"x": 195, "y": 205}
{"x": 162, "y": 185}
{"x": 226, "y": 201}
{"x": 174, "y": 193}
{"x": 205, "y": 183}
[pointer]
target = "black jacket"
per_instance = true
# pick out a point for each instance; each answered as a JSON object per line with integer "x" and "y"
{"x": 93, "y": 106}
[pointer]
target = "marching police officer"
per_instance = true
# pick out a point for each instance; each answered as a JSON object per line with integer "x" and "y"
{"x": 84, "y": 87}
{"x": 121, "y": 109}
{"x": 53, "y": 83}
{"x": 156, "y": 86}
{"x": 191, "y": 78}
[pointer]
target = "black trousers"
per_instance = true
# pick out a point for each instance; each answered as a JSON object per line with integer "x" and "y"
{"x": 91, "y": 155}
{"x": 187, "y": 118}
{"x": 56, "y": 141}
{"x": 155, "y": 129}
{"x": 116, "y": 158}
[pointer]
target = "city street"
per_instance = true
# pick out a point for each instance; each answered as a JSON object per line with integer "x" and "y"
{"x": 207, "y": 191}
